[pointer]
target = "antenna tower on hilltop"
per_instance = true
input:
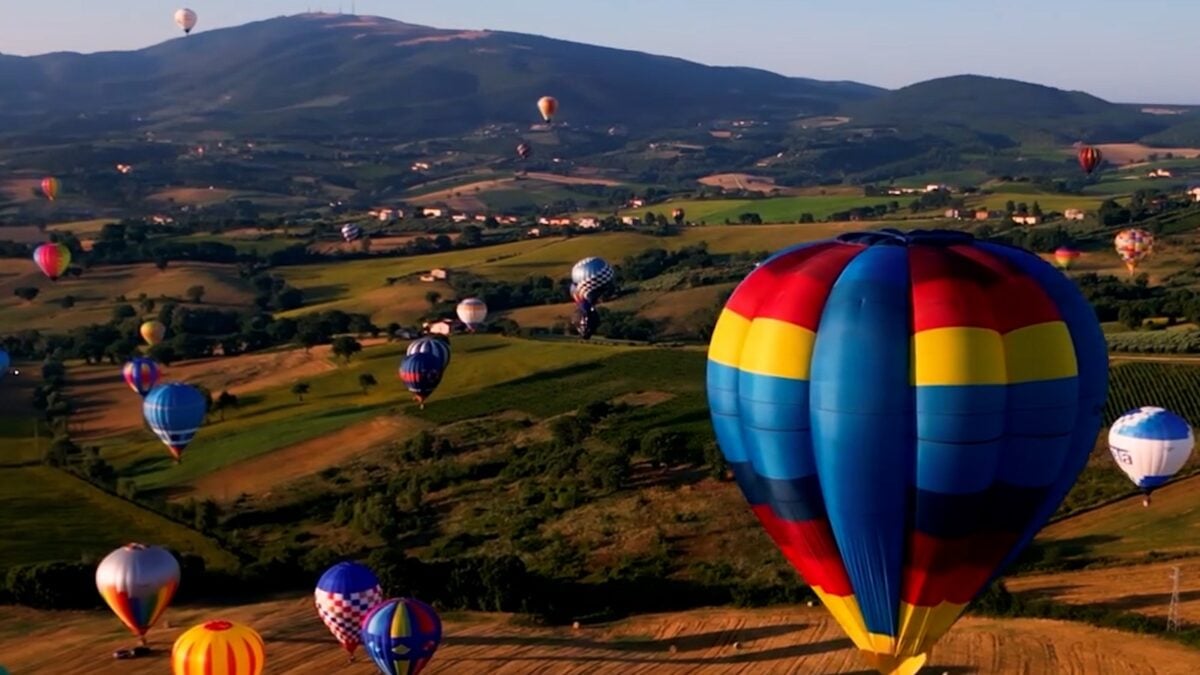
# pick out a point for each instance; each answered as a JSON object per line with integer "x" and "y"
{"x": 1173, "y": 610}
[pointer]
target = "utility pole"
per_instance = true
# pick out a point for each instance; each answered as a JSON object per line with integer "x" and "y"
{"x": 1173, "y": 610}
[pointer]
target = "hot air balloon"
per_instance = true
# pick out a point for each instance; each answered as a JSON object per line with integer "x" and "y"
{"x": 591, "y": 277}
{"x": 1090, "y": 158}
{"x": 401, "y": 636}
{"x": 51, "y": 187}
{"x": 1133, "y": 245}
{"x": 472, "y": 312}
{"x": 585, "y": 319}
{"x": 153, "y": 332}
{"x": 350, "y": 232}
{"x": 677, "y": 215}
{"x": 431, "y": 345}
{"x": 175, "y": 412}
{"x": 52, "y": 259}
{"x": 218, "y": 648}
{"x": 138, "y": 582}
{"x": 524, "y": 150}
{"x": 344, "y": 595}
{"x": 5, "y": 362}
{"x": 1150, "y": 445}
{"x": 904, "y": 412}
{"x": 548, "y": 106}
{"x": 421, "y": 373}
{"x": 186, "y": 19}
{"x": 141, "y": 374}
{"x": 1065, "y": 256}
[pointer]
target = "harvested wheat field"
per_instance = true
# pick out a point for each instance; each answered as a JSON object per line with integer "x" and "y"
{"x": 103, "y": 400}
{"x": 783, "y": 640}
{"x": 260, "y": 475}
{"x": 1130, "y": 153}
{"x": 1144, "y": 589}
{"x": 742, "y": 181}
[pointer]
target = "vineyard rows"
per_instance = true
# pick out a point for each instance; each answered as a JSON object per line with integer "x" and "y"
{"x": 1168, "y": 385}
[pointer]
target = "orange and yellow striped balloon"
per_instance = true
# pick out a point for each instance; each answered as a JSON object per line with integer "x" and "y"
{"x": 218, "y": 648}
{"x": 153, "y": 332}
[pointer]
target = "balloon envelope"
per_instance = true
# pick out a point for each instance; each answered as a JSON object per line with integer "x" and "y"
{"x": 524, "y": 150}
{"x": 421, "y": 373}
{"x": 1133, "y": 246}
{"x": 548, "y": 106}
{"x": 591, "y": 277}
{"x": 52, "y": 259}
{"x": 1064, "y": 256}
{"x": 153, "y": 332}
{"x": 218, "y": 648}
{"x": 175, "y": 412}
{"x": 185, "y": 19}
{"x": 431, "y": 345}
{"x": 350, "y": 232}
{"x": 51, "y": 186}
{"x": 904, "y": 412}
{"x": 401, "y": 635}
{"x": 1090, "y": 158}
{"x": 472, "y": 312}
{"x": 1150, "y": 445}
{"x": 141, "y": 374}
{"x": 138, "y": 582}
{"x": 344, "y": 595}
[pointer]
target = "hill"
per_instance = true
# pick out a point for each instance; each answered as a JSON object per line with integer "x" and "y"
{"x": 704, "y": 642}
{"x": 322, "y": 74}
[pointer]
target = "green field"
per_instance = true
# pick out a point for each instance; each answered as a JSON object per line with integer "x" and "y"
{"x": 771, "y": 210}
{"x": 274, "y": 418}
{"x": 1048, "y": 202}
{"x": 1172, "y": 386}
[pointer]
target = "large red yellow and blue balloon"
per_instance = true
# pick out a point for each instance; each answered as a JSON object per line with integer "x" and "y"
{"x": 401, "y": 636}
{"x": 52, "y": 259}
{"x": 904, "y": 412}
{"x": 218, "y": 648}
{"x": 138, "y": 583}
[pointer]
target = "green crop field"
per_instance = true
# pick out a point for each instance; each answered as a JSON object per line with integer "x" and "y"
{"x": 275, "y": 418}
{"x": 49, "y": 515}
{"x": 771, "y": 210}
{"x": 1060, "y": 203}
{"x": 1172, "y": 386}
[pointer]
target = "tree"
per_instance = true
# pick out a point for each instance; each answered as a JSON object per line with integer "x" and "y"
{"x": 366, "y": 381}
{"x": 26, "y": 293}
{"x": 195, "y": 294}
{"x": 224, "y": 401}
{"x": 67, "y": 302}
{"x": 346, "y": 346}
{"x": 1037, "y": 210}
{"x": 1010, "y": 207}
{"x": 433, "y": 298}
{"x": 161, "y": 261}
{"x": 807, "y": 218}
{"x": 308, "y": 337}
{"x": 1133, "y": 316}
{"x": 300, "y": 389}
{"x": 471, "y": 236}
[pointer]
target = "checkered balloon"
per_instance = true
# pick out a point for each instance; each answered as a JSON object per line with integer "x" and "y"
{"x": 344, "y": 595}
{"x": 591, "y": 277}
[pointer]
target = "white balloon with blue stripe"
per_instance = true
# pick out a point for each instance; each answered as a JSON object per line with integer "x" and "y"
{"x": 1150, "y": 445}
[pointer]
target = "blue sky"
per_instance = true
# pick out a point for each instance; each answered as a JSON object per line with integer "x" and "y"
{"x": 1122, "y": 50}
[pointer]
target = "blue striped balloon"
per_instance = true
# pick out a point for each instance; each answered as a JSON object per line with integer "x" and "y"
{"x": 1150, "y": 445}
{"x": 430, "y": 345}
{"x": 141, "y": 374}
{"x": 175, "y": 412}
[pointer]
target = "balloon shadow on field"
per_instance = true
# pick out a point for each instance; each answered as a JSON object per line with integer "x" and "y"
{"x": 481, "y": 349}
{"x": 1144, "y": 600}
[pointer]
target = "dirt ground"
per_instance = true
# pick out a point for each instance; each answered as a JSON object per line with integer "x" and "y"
{"x": 1144, "y": 589}
{"x": 302, "y": 459}
{"x": 793, "y": 640}
{"x": 742, "y": 181}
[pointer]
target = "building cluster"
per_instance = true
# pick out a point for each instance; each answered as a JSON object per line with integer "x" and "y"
{"x": 932, "y": 187}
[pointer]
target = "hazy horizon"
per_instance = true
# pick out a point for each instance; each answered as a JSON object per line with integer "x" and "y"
{"x": 1114, "y": 49}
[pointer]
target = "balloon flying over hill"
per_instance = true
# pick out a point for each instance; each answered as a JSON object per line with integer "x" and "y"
{"x": 472, "y": 312}
{"x": 344, "y": 595}
{"x": 185, "y": 19}
{"x": 218, "y": 648}
{"x": 903, "y": 413}
{"x": 51, "y": 187}
{"x": 1090, "y": 158}
{"x": 138, "y": 582}
{"x": 141, "y": 374}
{"x": 52, "y": 259}
{"x": 548, "y": 106}
{"x": 153, "y": 332}
{"x": 1150, "y": 445}
{"x": 1133, "y": 246}
{"x": 401, "y": 635}
{"x": 175, "y": 412}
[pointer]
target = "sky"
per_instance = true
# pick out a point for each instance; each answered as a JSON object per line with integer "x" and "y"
{"x": 1135, "y": 51}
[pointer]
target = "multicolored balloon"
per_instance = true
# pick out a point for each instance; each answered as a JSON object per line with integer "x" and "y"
{"x": 401, "y": 635}
{"x": 185, "y": 19}
{"x": 175, "y": 412}
{"x": 1090, "y": 158}
{"x": 585, "y": 319}
{"x": 591, "y": 277}
{"x": 1150, "y": 445}
{"x": 677, "y": 215}
{"x": 351, "y": 231}
{"x": 138, "y": 582}
{"x": 219, "y": 648}
{"x": 431, "y": 345}
{"x": 153, "y": 332}
{"x": 1133, "y": 246}
{"x": 421, "y": 373}
{"x": 345, "y": 594}
{"x": 472, "y": 312}
{"x": 52, "y": 259}
{"x": 1065, "y": 256}
{"x": 524, "y": 150}
{"x": 141, "y": 374}
{"x": 548, "y": 106}
{"x": 51, "y": 186}
{"x": 904, "y": 412}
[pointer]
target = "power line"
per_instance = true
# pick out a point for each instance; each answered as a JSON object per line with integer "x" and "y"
{"x": 1173, "y": 609}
